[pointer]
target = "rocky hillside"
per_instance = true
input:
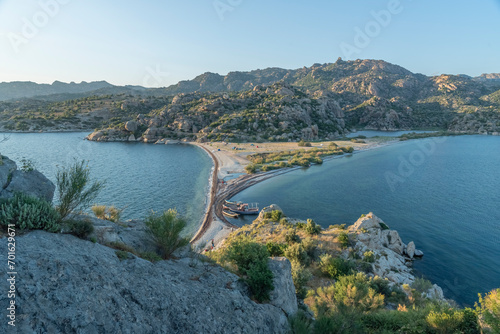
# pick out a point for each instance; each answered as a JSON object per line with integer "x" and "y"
{"x": 277, "y": 112}
{"x": 315, "y": 102}
{"x": 68, "y": 285}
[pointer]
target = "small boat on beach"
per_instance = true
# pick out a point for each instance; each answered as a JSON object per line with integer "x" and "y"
{"x": 242, "y": 208}
{"x": 231, "y": 203}
{"x": 230, "y": 214}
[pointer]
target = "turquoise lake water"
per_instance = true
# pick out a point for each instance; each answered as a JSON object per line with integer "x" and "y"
{"x": 140, "y": 177}
{"x": 442, "y": 193}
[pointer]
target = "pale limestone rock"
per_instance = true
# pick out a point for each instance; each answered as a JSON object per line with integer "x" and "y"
{"x": 410, "y": 249}
{"x": 283, "y": 296}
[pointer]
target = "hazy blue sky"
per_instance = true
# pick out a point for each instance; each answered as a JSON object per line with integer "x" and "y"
{"x": 159, "y": 42}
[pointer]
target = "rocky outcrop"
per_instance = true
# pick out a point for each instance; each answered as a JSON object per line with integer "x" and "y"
{"x": 372, "y": 234}
{"x": 67, "y": 285}
{"x": 131, "y": 126}
{"x": 32, "y": 182}
{"x": 270, "y": 208}
{"x": 283, "y": 296}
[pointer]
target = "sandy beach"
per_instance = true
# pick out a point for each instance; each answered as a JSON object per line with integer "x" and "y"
{"x": 230, "y": 159}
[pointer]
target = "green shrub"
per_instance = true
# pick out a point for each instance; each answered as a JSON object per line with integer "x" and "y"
{"x": 310, "y": 245}
{"x": 352, "y": 293}
{"x": 451, "y": 320}
{"x": 343, "y": 239}
{"x": 295, "y": 252}
{"x": 276, "y": 215}
{"x": 80, "y": 228}
{"x": 303, "y": 143}
{"x": 291, "y": 236}
{"x": 300, "y": 323}
{"x": 165, "y": 230}
{"x": 260, "y": 280}
{"x": 300, "y": 225}
{"x": 334, "y": 267}
{"x": 251, "y": 168}
{"x": 75, "y": 189}
{"x": 275, "y": 249}
{"x": 349, "y": 149}
{"x": 284, "y": 222}
{"x": 421, "y": 285}
{"x": 28, "y": 213}
{"x": 489, "y": 309}
{"x": 369, "y": 256}
{"x": 312, "y": 228}
{"x": 251, "y": 259}
{"x": 301, "y": 276}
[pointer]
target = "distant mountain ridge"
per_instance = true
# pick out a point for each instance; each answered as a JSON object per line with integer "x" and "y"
{"x": 28, "y": 89}
{"x": 328, "y": 76}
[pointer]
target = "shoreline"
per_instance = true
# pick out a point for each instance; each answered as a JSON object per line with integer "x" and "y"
{"x": 214, "y": 226}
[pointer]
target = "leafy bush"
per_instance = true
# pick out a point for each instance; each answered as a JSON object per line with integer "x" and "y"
{"x": 251, "y": 259}
{"x": 349, "y": 293}
{"x": 452, "y": 321}
{"x": 301, "y": 276}
{"x": 369, "y": 256}
{"x": 349, "y": 149}
{"x": 334, "y": 267}
{"x": 166, "y": 230}
{"x": 276, "y": 215}
{"x": 310, "y": 245}
{"x": 75, "y": 189}
{"x": 489, "y": 309}
{"x": 28, "y": 213}
{"x": 343, "y": 239}
{"x": 275, "y": 249}
{"x": 291, "y": 236}
{"x": 251, "y": 168}
{"x": 303, "y": 143}
{"x": 312, "y": 228}
{"x": 421, "y": 285}
{"x": 296, "y": 252}
{"x": 300, "y": 323}
{"x": 80, "y": 228}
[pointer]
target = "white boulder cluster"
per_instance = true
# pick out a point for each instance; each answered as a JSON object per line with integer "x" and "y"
{"x": 393, "y": 259}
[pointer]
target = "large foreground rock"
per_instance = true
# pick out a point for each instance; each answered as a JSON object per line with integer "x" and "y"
{"x": 67, "y": 285}
{"x": 31, "y": 183}
{"x": 283, "y": 295}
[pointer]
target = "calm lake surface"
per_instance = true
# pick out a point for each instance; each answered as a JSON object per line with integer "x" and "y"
{"x": 140, "y": 177}
{"x": 446, "y": 198}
